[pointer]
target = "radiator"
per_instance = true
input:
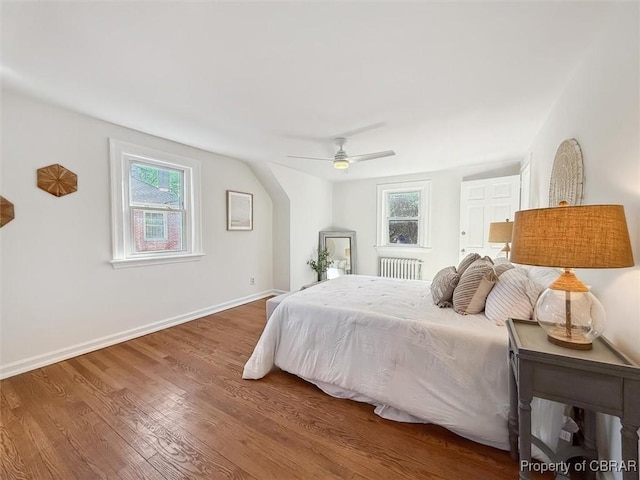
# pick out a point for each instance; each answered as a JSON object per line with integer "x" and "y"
{"x": 408, "y": 268}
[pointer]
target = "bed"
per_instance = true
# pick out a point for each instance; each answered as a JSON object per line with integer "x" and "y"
{"x": 384, "y": 342}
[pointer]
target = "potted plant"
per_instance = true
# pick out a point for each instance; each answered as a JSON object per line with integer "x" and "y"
{"x": 321, "y": 264}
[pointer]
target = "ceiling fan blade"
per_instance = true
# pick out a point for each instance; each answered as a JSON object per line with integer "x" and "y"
{"x": 310, "y": 158}
{"x": 371, "y": 156}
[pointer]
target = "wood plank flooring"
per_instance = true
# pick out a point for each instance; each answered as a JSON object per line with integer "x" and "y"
{"x": 173, "y": 405}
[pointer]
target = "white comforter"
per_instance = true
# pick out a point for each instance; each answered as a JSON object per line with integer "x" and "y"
{"x": 384, "y": 341}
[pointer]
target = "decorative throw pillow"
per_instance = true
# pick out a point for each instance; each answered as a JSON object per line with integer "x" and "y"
{"x": 514, "y": 296}
{"x": 475, "y": 284}
{"x": 466, "y": 262}
{"x": 502, "y": 267}
{"x": 499, "y": 260}
{"x": 544, "y": 276}
{"x": 442, "y": 286}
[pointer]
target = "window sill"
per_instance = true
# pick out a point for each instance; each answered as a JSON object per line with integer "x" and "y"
{"x": 157, "y": 260}
{"x": 401, "y": 249}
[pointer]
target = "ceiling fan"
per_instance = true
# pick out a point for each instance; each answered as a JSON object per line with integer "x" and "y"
{"x": 341, "y": 160}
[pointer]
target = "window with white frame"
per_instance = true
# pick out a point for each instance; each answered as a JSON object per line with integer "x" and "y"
{"x": 155, "y": 226}
{"x": 155, "y": 205}
{"x": 403, "y": 215}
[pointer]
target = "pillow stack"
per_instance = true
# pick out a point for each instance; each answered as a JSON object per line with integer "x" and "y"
{"x": 501, "y": 289}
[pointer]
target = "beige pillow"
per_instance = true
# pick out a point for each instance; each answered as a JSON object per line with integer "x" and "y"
{"x": 466, "y": 262}
{"x": 442, "y": 286}
{"x": 475, "y": 283}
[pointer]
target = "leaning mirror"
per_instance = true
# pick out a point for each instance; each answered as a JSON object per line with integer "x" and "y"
{"x": 341, "y": 245}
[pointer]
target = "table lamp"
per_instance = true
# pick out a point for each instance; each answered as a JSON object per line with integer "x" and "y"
{"x": 500, "y": 232}
{"x": 588, "y": 236}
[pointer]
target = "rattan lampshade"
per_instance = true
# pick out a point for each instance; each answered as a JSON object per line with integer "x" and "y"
{"x": 500, "y": 232}
{"x": 587, "y": 236}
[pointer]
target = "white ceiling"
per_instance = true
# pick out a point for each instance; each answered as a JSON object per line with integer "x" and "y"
{"x": 443, "y": 84}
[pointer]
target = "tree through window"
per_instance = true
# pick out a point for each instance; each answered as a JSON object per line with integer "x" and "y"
{"x": 403, "y": 217}
{"x": 403, "y": 214}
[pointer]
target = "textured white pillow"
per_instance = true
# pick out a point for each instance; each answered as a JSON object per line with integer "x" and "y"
{"x": 513, "y": 296}
{"x": 544, "y": 276}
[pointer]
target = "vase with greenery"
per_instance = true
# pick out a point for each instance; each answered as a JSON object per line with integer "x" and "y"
{"x": 321, "y": 263}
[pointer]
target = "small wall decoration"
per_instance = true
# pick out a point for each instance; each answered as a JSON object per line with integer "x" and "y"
{"x": 567, "y": 177}
{"x": 57, "y": 180}
{"x": 6, "y": 211}
{"x": 239, "y": 210}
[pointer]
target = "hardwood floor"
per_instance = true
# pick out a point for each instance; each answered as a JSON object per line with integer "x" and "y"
{"x": 173, "y": 405}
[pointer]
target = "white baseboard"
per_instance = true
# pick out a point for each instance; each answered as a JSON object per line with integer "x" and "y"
{"x": 31, "y": 363}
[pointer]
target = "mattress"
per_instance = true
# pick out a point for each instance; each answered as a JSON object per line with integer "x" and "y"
{"x": 383, "y": 341}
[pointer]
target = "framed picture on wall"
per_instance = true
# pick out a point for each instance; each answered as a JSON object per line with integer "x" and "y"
{"x": 239, "y": 210}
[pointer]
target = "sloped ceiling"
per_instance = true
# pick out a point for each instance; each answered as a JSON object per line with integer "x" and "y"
{"x": 443, "y": 84}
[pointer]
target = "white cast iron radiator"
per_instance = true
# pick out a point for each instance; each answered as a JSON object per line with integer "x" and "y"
{"x": 408, "y": 268}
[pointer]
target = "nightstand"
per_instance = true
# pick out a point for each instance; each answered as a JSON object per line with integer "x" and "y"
{"x": 598, "y": 380}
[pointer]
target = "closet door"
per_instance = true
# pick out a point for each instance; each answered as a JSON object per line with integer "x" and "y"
{"x": 482, "y": 202}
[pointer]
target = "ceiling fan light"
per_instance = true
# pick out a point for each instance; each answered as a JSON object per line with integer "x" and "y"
{"x": 340, "y": 164}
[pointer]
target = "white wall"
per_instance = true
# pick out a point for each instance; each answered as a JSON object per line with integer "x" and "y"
{"x": 59, "y": 292}
{"x": 281, "y": 218}
{"x": 600, "y": 108}
{"x": 354, "y": 208}
{"x": 310, "y": 206}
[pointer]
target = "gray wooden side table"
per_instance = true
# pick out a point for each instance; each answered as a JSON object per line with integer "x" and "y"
{"x": 598, "y": 380}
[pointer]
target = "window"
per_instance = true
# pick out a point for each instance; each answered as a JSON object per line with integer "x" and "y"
{"x": 155, "y": 203}
{"x": 403, "y": 215}
{"x": 155, "y": 226}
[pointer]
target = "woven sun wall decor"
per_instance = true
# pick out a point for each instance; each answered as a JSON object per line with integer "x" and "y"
{"x": 6, "y": 211}
{"x": 567, "y": 175}
{"x": 57, "y": 180}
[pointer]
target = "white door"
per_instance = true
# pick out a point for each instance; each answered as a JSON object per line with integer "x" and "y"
{"x": 482, "y": 202}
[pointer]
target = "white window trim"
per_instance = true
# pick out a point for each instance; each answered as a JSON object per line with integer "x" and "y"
{"x": 121, "y": 154}
{"x": 424, "y": 230}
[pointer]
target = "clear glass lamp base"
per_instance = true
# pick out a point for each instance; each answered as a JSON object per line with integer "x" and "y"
{"x": 569, "y": 313}
{"x": 578, "y": 340}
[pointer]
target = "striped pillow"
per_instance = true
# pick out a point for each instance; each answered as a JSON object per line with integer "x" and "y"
{"x": 466, "y": 262}
{"x": 442, "y": 286}
{"x": 499, "y": 260}
{"x": 514, "y": 296}
{"x": 475, "y": 284}
{"x": 502, "y": 267}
